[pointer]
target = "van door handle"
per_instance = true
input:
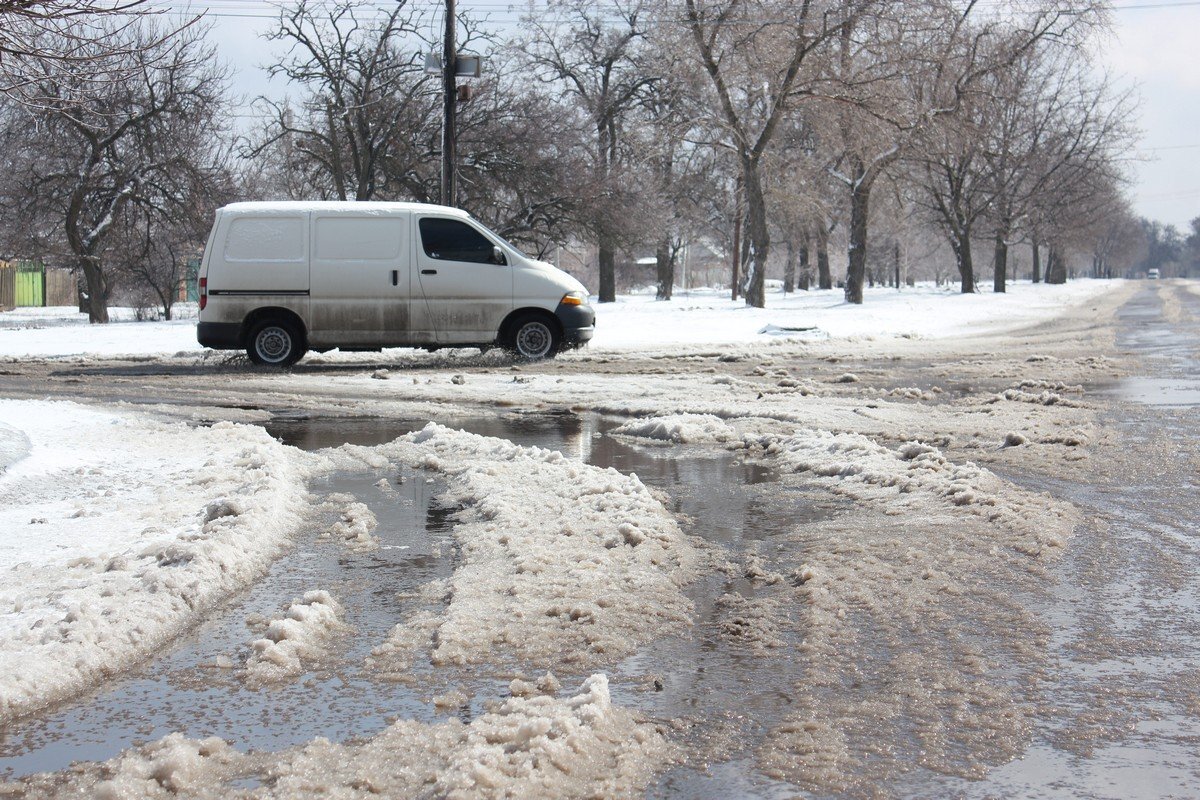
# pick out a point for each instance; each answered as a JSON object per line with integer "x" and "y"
{"x": 395, "y": 277}
{"x": 429, "y": 272}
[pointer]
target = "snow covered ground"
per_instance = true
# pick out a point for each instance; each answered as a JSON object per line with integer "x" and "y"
{"x": 119, "y": 531}
{"x": 634, "y": 322}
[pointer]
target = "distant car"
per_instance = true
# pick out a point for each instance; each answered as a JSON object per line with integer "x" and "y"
{"x": 1152, "y": 275}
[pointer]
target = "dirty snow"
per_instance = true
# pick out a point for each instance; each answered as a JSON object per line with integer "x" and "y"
{"x": 903, "y": 610}
{"x": 915, "y": 477}
{"x": 296, "y": 639}
{"x": 119, "y": 531}
{"x": 678, "y": 428}
{"x": 559, "y": 560}
{"x": 354, "y": 525}
{"x": 580, "y": 746}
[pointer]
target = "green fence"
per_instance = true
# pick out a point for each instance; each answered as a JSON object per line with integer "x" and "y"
{"x": 30, "y": 283}
{"x": 29, "y": 288}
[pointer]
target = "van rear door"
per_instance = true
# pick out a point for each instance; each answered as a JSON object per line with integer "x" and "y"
{"x": 360, "y": 278}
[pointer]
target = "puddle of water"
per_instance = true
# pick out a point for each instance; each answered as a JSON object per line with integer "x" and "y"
{"x": 563, "y": 432}
{"x": 184, "y": 690}
{"x": 1165, "y": 392}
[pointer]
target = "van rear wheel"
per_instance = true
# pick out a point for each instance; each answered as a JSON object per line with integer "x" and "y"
{"x": 275, "y": 343}
{"x": 533, "y": 337}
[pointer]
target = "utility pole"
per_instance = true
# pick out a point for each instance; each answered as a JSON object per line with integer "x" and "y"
{"x": 449, "y": 99}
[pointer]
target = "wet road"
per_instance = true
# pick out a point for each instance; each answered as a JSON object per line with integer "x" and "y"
{"x": 1116, "y": 707}
{"x": 1119, "y": 706}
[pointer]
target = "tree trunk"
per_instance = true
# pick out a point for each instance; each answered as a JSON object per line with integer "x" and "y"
{"x": 1037, "y": 263}
{"x": 789, "y": 268}
{"x": 966, "y": 264}
{"x": 665, "y": 266}
{"x": 608, "y": 271}
{"x": 335, "y": 156}
{"x": 1000, "y": 264}
{"x": 896, "y": 262}
{"x": 1056, "y": 267}
{"x": 759, "y": 236}
{"x": 805, "y": 269}
{"x": 744, "y": 259}
{"x": 97, "y": 290}
{"x": 735, "y": 283}
{"x": 824, "y": 277}
{"x": 860, "y": 199}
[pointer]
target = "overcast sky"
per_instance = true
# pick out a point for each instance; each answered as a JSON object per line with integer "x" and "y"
{"x": 1159, "y": 50}
{"x": 1155, "y": 46}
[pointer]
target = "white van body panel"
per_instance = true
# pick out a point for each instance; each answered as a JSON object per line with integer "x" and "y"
{"x": 363, "y": 276}
{"x": 534, "y": 280}
{"x": 360, "y": 278}
{"x": 263, "y": 251}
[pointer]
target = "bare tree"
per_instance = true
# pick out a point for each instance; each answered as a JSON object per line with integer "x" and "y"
{"x": 678, "y": 165}
{"x": 155, "y": 244}
{"x": 900, "y": 72}
{"x": 40, "y": 34}
{"x": 1055, "y": 151}
{"x": 757, "y": 55}
{"x": 594, "y": 51}
{"x": 954, "y": 186}
{"x": 93, "y": 150}
{"x": 367, "y": 101}
{"x": 525, "y": 162}
{"x": 1116, "y": 238}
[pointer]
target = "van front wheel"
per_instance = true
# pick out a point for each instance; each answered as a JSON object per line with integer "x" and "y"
{"x": 533, "y": 337}
{"x": 275, "y": 343}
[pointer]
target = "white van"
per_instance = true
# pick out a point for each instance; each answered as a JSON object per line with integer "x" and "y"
{"x": 282, "y": 278}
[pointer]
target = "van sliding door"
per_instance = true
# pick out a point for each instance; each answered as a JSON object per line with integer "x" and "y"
{"x": 360, "y": 279}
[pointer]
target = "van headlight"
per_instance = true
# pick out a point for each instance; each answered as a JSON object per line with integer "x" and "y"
{"x": 574, "y": 299}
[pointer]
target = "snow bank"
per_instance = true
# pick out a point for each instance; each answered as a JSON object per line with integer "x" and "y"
{"x": 14, "y": 445}
{"x": 678, "y": 428}
{"x": 540, "y": 747}
{"x": 295, "y": 638}
{"x": 634, "y": 322}
{"x": 560, "y": 561}
{"x": 119, "y": 531}
{"x": 924, "y": 311}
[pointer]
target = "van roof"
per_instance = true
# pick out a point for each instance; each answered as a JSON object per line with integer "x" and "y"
{"x": 364, "y": 206}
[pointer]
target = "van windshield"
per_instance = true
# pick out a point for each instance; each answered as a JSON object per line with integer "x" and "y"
{"x": 501, "y": 239}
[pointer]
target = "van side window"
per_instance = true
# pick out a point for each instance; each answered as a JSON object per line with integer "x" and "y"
{"x": 265, "y": 239}
{"x": 359, "y": 239}
{"x": 452, "y": 240}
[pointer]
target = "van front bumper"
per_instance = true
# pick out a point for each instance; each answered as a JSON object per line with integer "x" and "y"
{"x": 578, "y": 323}
{"x": 220, "y": 335}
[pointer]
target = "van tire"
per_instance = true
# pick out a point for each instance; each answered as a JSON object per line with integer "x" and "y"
{"x": 275, "y": 342}
{"x": 533, "y": 337}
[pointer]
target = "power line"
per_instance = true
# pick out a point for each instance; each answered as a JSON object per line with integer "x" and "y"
{"x": 509, "y": 12}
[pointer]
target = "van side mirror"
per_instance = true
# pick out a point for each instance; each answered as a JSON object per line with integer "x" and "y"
{"x": 498, "y": 256}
